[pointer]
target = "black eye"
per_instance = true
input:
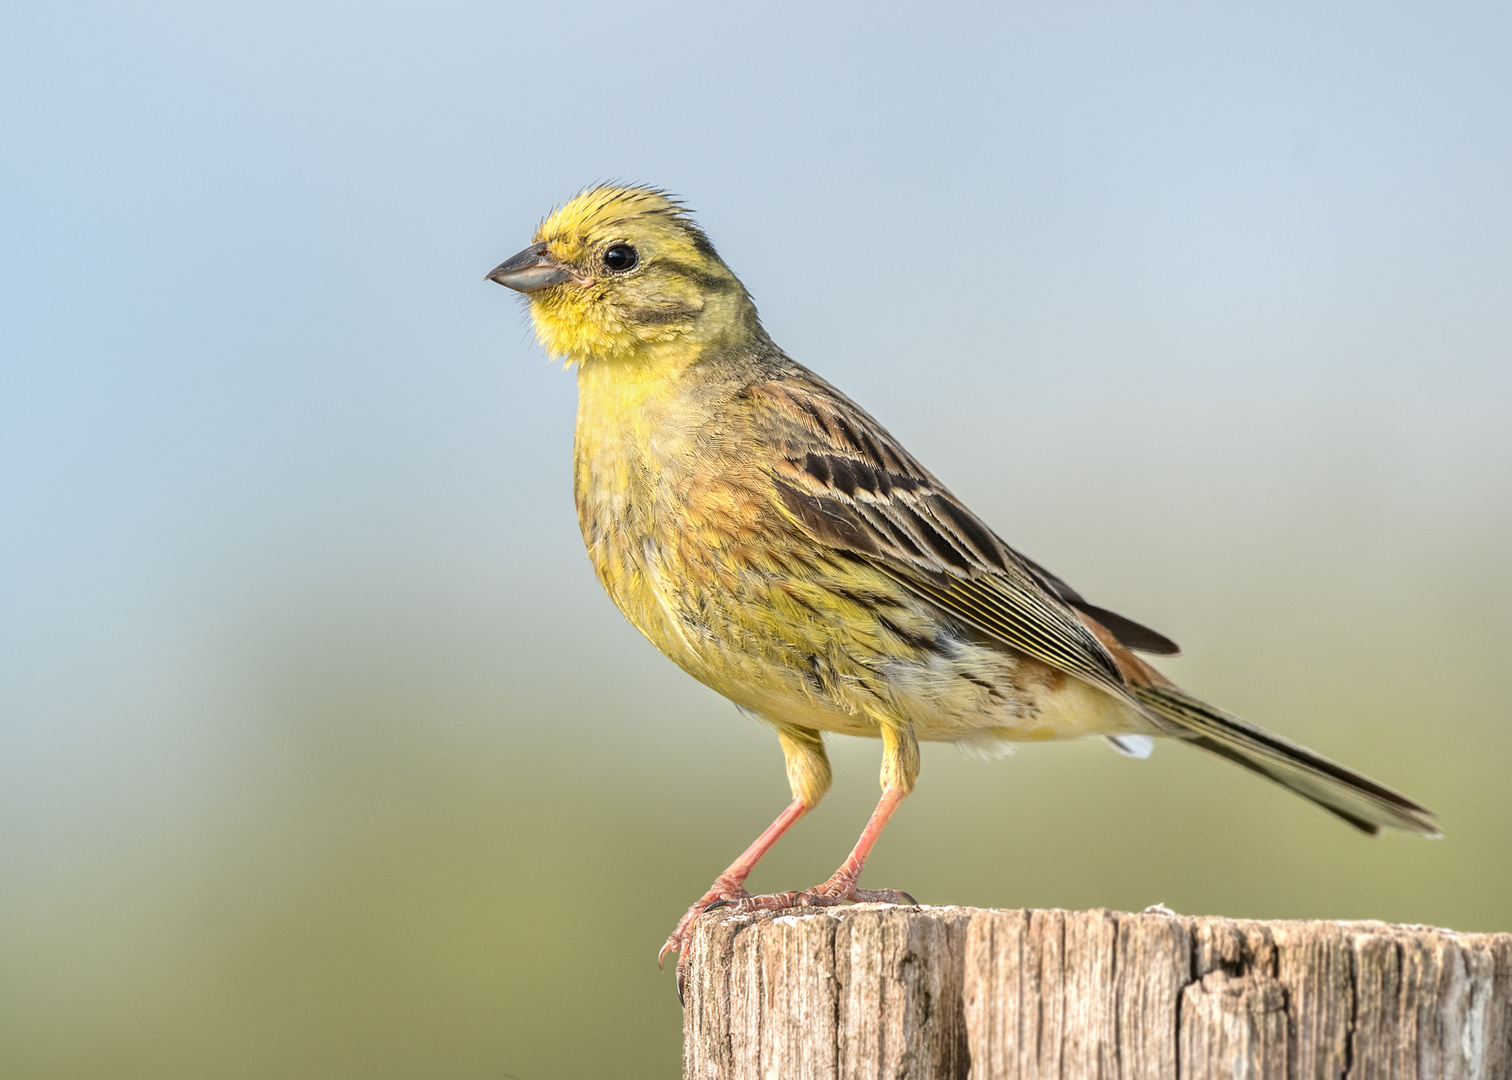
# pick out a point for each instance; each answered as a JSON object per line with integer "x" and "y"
{"x": 621, "y": 257}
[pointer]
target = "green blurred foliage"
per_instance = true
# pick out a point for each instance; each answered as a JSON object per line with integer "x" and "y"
{"x": 433, "y": 864}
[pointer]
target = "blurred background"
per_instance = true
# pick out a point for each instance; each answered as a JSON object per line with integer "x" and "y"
{"x": 321, "y": 753}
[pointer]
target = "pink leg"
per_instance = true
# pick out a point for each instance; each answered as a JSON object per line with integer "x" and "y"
{"x": 841, "y": 887}
{"x": 730, "y": 885}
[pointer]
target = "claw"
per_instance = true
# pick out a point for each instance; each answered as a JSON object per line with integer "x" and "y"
{"x": 882, "y": 896}
{"x": 715, "y": 898}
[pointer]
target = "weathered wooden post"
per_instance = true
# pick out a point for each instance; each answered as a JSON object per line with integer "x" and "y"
{"x": 945, "y": 993}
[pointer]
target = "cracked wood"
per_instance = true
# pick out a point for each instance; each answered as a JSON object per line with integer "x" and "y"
{"x": 884, "y": 993}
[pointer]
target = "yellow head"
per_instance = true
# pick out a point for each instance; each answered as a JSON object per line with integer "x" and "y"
{"x": 622, "y": 273}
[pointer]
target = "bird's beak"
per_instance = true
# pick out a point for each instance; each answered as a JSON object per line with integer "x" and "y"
{"x": 530, "y": 271}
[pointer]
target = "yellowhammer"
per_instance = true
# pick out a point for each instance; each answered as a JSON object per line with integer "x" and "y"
{"x": 781, "y": 547}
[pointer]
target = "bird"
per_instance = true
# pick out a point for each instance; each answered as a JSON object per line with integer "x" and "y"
{"x": 779, "y": 545}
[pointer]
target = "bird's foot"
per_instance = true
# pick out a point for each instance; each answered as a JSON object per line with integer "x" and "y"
{"x": 830, "y": 894}
{"x": 723, "y": 891}
{"x": 840, "y": 889}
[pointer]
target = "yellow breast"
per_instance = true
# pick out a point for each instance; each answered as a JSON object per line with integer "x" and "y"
{"x": 682, "y": 531}
{"x": 632, "y": 440}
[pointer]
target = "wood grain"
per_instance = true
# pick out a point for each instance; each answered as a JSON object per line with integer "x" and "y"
{"x": 883, "y": 993}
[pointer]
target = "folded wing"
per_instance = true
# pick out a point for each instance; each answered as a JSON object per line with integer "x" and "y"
{"x": 854, "y": 488}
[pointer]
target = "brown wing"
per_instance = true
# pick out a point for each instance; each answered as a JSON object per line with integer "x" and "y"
{"x": 854, "y": 488}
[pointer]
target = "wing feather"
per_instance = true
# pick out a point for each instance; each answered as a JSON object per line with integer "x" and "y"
{"x": 853, "y": 487}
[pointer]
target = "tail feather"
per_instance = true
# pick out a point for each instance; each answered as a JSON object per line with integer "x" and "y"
{"x": 1357, "y": 799}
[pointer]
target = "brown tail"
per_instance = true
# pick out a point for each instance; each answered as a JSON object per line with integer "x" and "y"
{"x": 1357, "y": 799}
